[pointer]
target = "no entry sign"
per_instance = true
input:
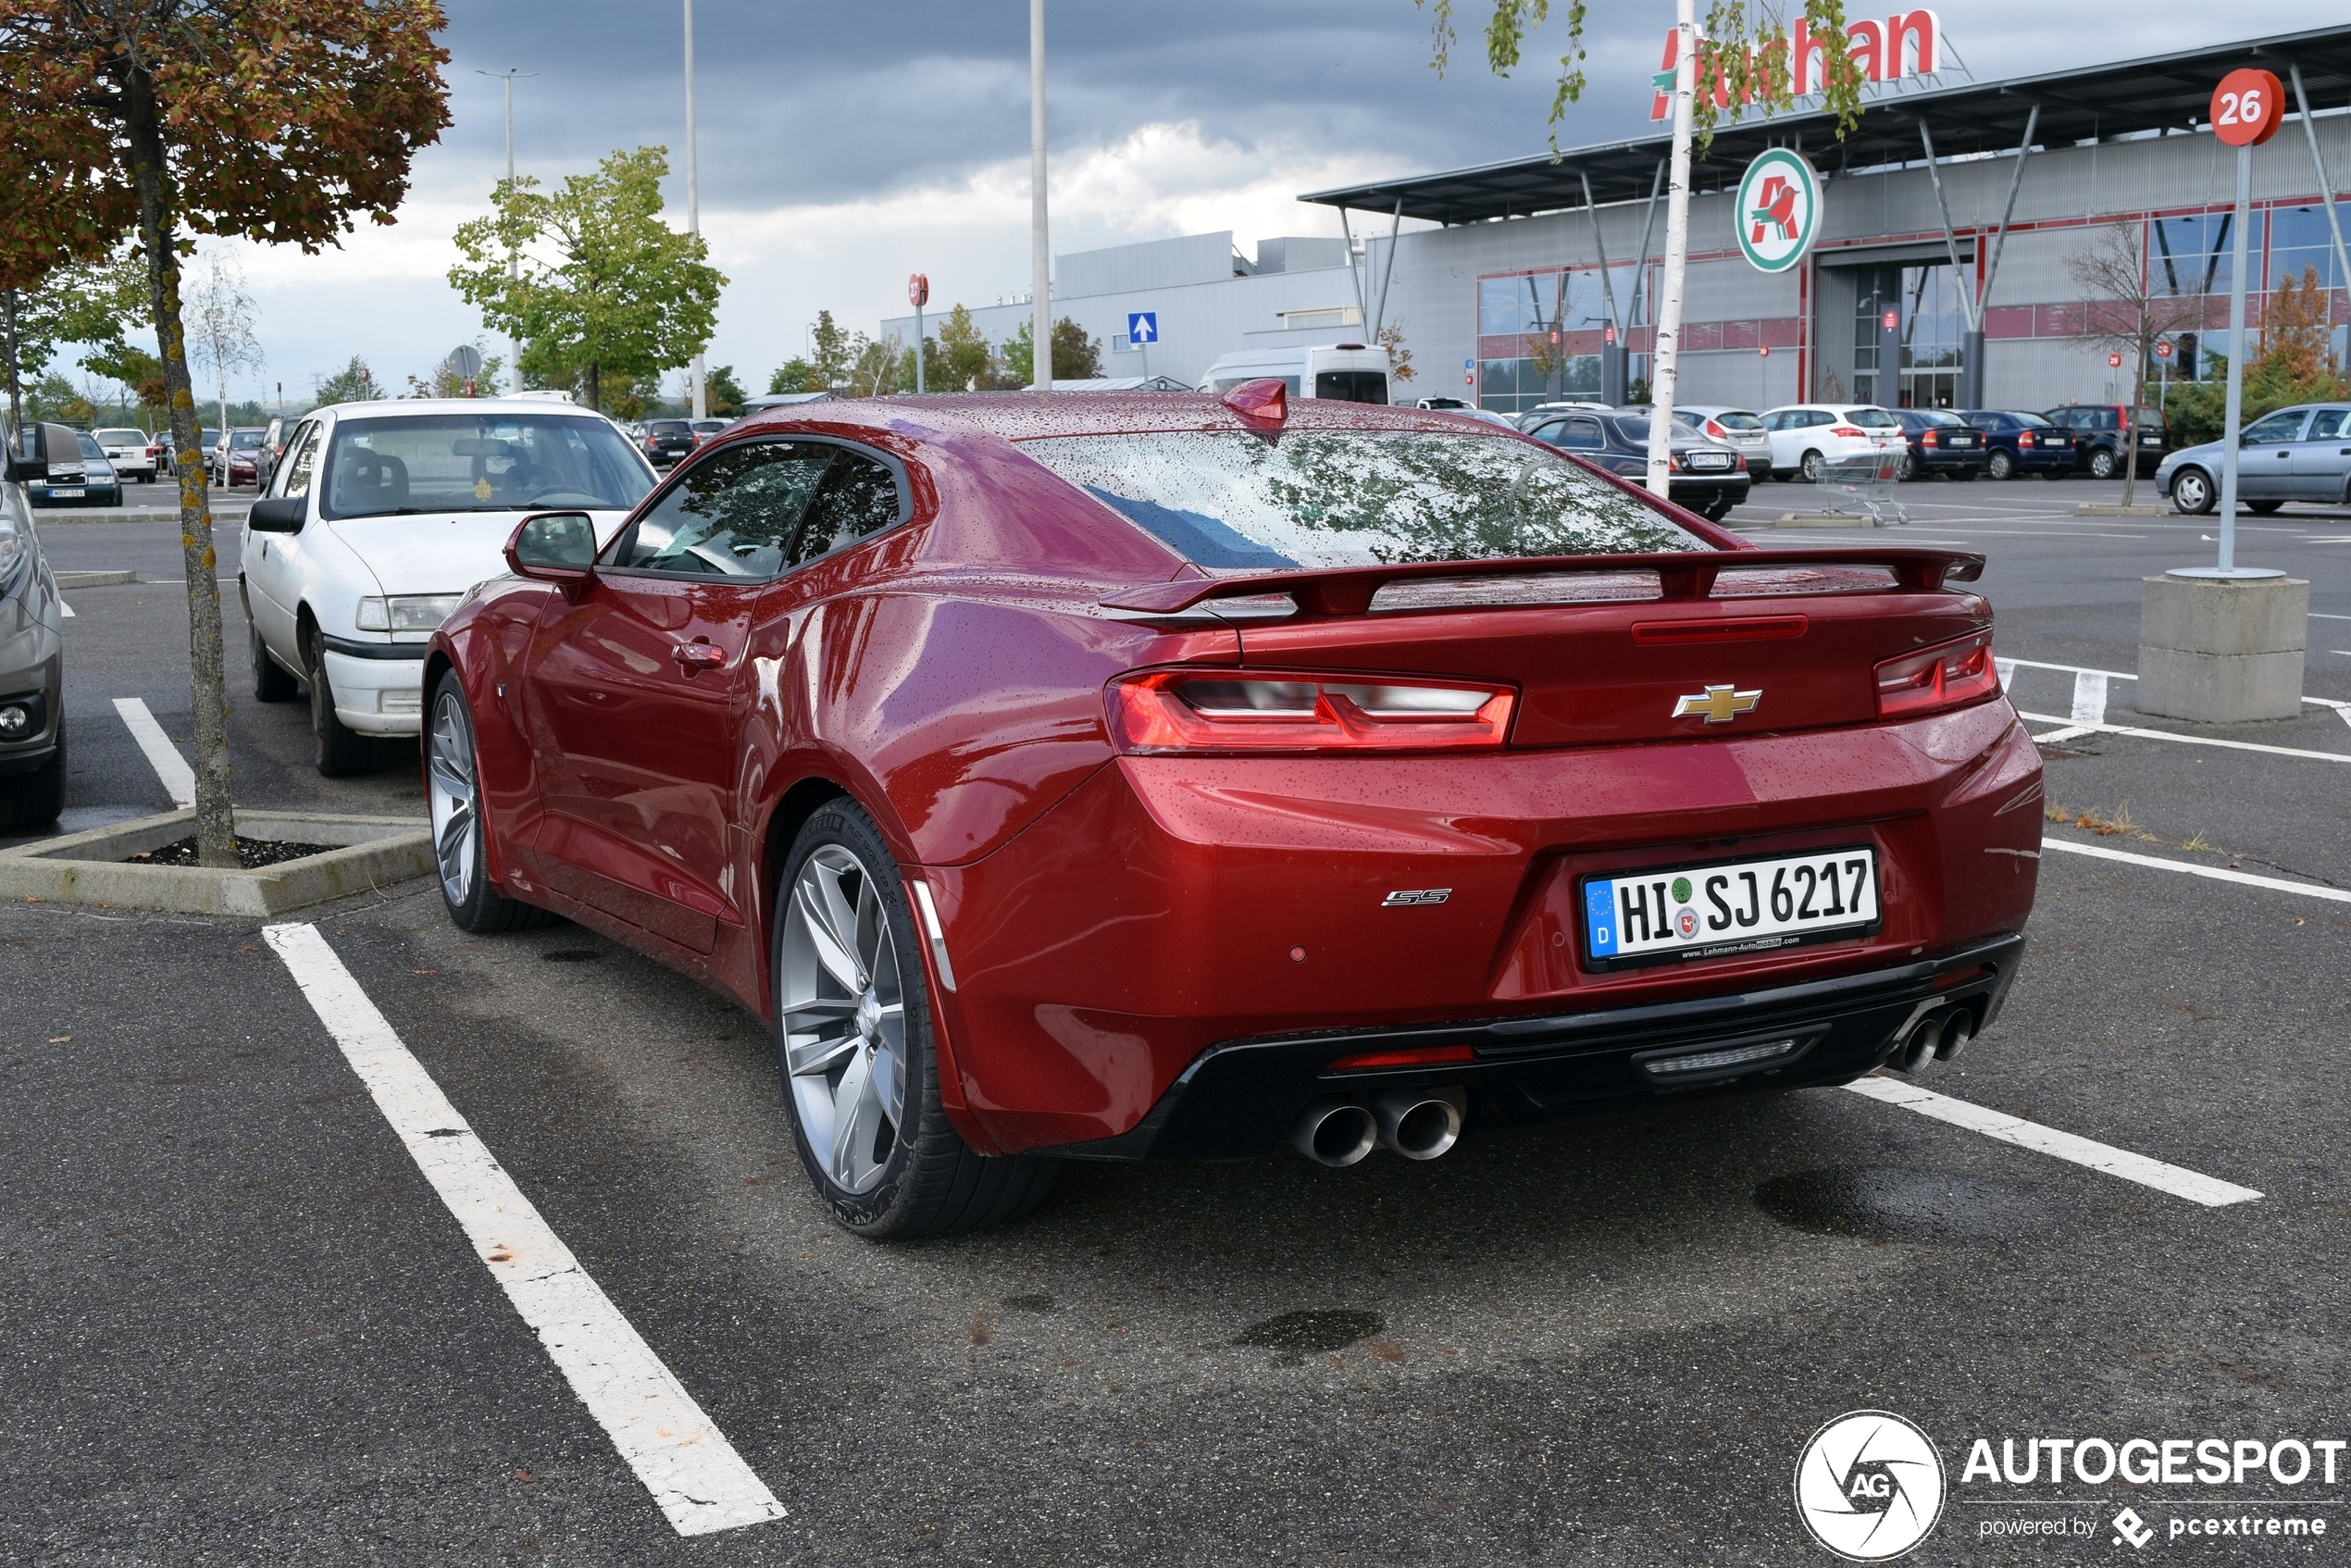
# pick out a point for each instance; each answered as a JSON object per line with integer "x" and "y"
{"x": 2247, "y": 108}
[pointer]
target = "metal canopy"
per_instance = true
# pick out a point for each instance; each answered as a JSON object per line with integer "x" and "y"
{"x": 2132, "y": 97}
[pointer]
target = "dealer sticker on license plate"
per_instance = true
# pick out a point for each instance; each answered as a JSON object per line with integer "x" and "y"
{"x": 1727, "y": 907}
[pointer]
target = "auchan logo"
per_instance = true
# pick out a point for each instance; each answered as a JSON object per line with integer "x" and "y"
{"x": 1905, "y": 43}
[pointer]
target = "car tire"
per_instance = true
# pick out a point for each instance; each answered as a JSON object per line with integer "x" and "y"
{"x": 2262, "y": 508}
{"x": 2103, "y": 464}
{"x": 1908, "y": 470}
{"x": 840, "y": 906}
{"x": 33, "y": 800}
{"x": 1811, "y": 465}
{"x": 271, "y": 682}
{"x": 2192, "y": 492}
{"x": 340, "y": 751}
{"x": 453, "y": 791}
{"x": 2000, "y": 465}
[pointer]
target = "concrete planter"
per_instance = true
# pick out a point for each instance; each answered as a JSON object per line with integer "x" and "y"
{"x": 87, "y": 868}
{"x": 2221, "y": 651}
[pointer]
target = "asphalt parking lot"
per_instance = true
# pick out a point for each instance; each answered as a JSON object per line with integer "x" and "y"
{"x": 243, "y": 1325}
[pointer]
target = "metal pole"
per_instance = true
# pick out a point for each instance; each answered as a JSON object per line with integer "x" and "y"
{"x": 514, "y": 262}
{"x": 1387, "y": 271}
{"x": 1354, "y": 273}
{"x": 918, "y": 348}
{"x": 2326, "y": 190}
{"x": 1665, "y": 360}
{"x": 1612, "y": 387}
{"x": 1967, "y": 302}
{"x": 1972, "y": 354}
{"x": 693, "y": 196}
{"x": 2235, "y": 405}
{"x": 1648, "y": 227}
{"x": 1041, "y": 260}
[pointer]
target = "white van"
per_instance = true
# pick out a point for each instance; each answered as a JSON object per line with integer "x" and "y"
{"x": 1348, "y": 372}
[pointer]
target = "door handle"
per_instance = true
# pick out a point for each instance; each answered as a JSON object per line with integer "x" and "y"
{"x": 691, "y": 656}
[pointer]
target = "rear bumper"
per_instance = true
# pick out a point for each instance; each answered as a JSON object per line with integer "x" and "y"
{"x": 1239, "y": 1099}
{"x": 1924, "y": 462}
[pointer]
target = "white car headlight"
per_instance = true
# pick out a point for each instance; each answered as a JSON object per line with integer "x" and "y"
{"x": 410, "y": 612}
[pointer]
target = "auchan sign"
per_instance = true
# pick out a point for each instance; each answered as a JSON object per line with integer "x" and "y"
{"x": 1905, "y": 43}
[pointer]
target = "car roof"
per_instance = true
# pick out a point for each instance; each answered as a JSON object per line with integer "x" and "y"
{"x": 1024, "y": 415}
{"x": 396, "y": 407}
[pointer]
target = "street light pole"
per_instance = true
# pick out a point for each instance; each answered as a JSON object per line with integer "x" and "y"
{"x": 693, "y": 195}
{"x": 1041, "y": 317}
{"x": 514, "y": 265}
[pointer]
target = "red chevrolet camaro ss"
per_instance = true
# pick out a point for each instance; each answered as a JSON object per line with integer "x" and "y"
{"x": 1145, "y": 776}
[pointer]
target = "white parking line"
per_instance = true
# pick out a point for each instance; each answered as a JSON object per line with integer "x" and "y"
{"x": 2189, "y": 739}
{"x": 2218, "y": 873}
{"x": 65, "y": 611}
{"x": 179, "y": 778}
{"x": 695, "y": 1474}
{"x": 2194, "y": 1186}
{"x": 2008, "y": 669}
{"x": 2089, "y": 697}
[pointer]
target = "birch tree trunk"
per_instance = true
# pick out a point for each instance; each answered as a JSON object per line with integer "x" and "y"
{"x": 207, "y": 679}
{"x": 1664, "y": 356}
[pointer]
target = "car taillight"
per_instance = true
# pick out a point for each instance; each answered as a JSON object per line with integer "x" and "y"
{"x": 1717, "y": 431}
{"x": 1192, "y": 710}
{"x": 2025, "y": 438}
{"x": 1930, "y": 438}
{"x": 1847, "y": 431}
{"x": 1949, "y": 676}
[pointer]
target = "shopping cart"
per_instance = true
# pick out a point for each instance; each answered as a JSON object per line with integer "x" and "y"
{"x": 1850, "y": 485}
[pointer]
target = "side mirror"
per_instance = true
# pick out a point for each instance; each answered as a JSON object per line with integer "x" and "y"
{"x": 36, "y": 447}
{"x": 557, "y": 547}
{"x": 279, "y": 514}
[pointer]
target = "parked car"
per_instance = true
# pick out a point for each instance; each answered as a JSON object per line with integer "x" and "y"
{"x": 1807, "y": 437}
{"x": 666, "y": 440}
{"x": 1341, "y": 372}
{"x": 236, "y": 460}
{"x": 943, "y": 753}
{"x": 76, "y": 472}
{"x": 705, "y": 429}
{"x": 1940, "y": 444}
{"x": 101, "y": 486}
{"x": 1542, "y": 411}
{"x": 1708, "y": 476}
{"x": 2099, "y": 430}
{"x": 2022, "y": 443}
{"x": 33, "y": 714}
{"x": 1468, "y": 410}
{"x": 385, "y": 515}
{"x": 2300, "y": 453}
{"x": 130, "y": 452}
{"x": 208, "y": 443}
{"x": 273, "y": 445}
{"x": 1740, "y": 428}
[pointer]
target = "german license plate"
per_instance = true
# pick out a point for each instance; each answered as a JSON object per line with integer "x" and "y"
{"x": 1724, "y": 908}
{"x": 1962, "y": 440}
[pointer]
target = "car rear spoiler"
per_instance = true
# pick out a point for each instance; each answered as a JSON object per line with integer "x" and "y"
{"x": 1348, "y": 590}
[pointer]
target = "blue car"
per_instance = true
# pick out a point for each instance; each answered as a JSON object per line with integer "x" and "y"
{"x": 2022, "y": 443}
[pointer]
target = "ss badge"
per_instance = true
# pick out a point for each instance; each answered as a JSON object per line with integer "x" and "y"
{"x": 1406, "y": 898}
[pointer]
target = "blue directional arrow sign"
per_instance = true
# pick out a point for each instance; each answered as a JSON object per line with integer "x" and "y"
{"x": 1142, "y": 326}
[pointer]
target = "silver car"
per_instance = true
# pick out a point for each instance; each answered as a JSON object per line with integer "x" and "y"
{"x": 32, "y": 735}
{"x": 2302, "y": 453}
{"x": 1740, "y": 428}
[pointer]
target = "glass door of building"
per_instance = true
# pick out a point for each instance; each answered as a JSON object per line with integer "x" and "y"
{"x": 1929, "y": 332}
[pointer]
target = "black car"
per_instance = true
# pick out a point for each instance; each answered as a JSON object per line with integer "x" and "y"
{"x": 2100, "y": 430}
{"x": 1941, "y": 442}
{"x": 1708, "y": 477}
{"x": 2022, "y": 443}
{"x": 666, "y": 440}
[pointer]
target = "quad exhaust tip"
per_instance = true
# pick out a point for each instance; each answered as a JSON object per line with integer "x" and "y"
{"x": 1334, "y": 1132}
{"x": 1419, "y": 1123}
{"x": 1939, "y": 1036}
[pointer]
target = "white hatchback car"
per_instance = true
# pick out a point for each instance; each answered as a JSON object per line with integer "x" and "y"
{"x": 133, "y": 452}
{"x": 380, "y": 520}
{"x": 1806, "y": 436}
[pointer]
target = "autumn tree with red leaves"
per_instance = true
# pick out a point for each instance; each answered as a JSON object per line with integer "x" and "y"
{"x": 159, "y": 121}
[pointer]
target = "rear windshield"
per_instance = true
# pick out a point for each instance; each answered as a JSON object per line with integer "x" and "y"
{"x": 1871, "y": 418}
{"x": 121, "y": 438}
{"x": 1739, "y": 421}
{"x": 1228, "y": 500}
{"x": 1940, "y": 418}
{"x": 1352, "y": 386}
{"x": 479, "y": 463}
{"x": 2032, "y": 419}
{"x": 668, "y": 428}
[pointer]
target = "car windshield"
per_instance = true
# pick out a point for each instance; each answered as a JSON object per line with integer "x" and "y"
{"x": 89, "y": 447}
{"x": 120, "y": 438}
{"x": 478, "y": 463}
{"x": 1871, "y": 418}
{"x": 240, "y": 439}
{"x": 1231, "y": 502}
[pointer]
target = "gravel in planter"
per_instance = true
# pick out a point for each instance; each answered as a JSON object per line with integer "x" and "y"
{"x": 252, "y": 854}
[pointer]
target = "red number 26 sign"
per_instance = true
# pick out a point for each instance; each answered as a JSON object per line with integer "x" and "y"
{"x": 2247, "y": 108}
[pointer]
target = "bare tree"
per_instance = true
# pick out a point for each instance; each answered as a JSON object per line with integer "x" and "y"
{"x": 2126, "y": 315}
{"x": 219, "y": 317}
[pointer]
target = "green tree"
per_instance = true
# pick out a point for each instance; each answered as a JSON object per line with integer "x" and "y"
{"x": 722, "y": 393}
{"x": 605, "y": 290}
{"x": 354, "y": 383}
{"x": 794, "y": 375}
{"x": 2292, "y": 363}
{"x": 92, "y": 303}
{"x": 833, "y": 351}
{"x": 1077, "y": 356}
{"x": 962, "y": 360}
{"x": 272, "y": 120}
{"x": 876, "y": 370}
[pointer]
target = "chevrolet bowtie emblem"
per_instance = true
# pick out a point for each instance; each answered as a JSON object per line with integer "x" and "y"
{"x": 1717, "y": 704}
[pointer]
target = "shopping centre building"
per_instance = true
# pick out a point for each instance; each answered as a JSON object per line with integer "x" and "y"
{"x": 1940, "y": 275}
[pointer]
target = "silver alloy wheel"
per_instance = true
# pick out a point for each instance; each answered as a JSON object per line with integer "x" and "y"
{"x": 839, "y": 988}
{"x": 2192, "y": 493}
{"x": 456, "y": 818}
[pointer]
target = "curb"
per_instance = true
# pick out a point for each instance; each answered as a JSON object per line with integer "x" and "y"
{"x": 2088, "y": 510}
{"x": 53, "y": 516}
{"x": 94, "y": 579}
{"x": 88, "y": 868}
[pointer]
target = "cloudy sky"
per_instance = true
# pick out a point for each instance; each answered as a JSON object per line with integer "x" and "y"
{"x": 846, "y": 145}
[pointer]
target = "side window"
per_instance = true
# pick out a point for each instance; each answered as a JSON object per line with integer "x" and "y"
{"x": 2283, "y": 426}
{"x": 2327, "y": 425}
{"x": 1551, "y": 431}
{"x": 859, "y": 498}
{"x": 734, "y": 515}
{"x": 301, "y": 458}
{"x": 1583, "y": 435}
